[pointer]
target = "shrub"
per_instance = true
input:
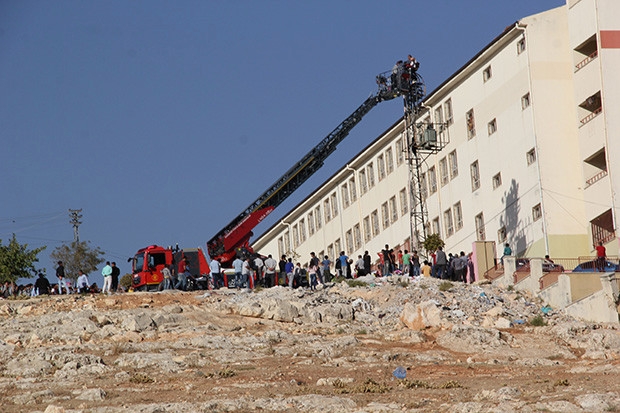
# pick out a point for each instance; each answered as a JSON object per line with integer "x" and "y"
{"x": 125, "y": 281}
{"x": 538, "y": 321}
{"x": 445, "y": 286}
{"x": 356, "y": 283}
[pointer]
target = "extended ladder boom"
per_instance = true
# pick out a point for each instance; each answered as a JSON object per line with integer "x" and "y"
{"x": 237, "y": 233}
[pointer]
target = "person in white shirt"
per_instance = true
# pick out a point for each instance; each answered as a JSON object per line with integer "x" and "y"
{"x": 83, "y": 285}
{"x": 216, "y": 272}
{"x": 270, "y": 271}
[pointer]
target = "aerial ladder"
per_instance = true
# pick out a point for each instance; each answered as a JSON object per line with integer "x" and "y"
{"x": 234, "y": 238}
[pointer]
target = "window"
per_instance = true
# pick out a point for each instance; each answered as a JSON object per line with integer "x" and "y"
{"x": 295, "y": 236}
{"x": 310, "y": 223}
{"x": 363, "y": 182}
{"x": 317, "y": 217}
{"x": 447, "y": 110}
{"x": 475, "y": 176}
{"x": 352, "y": 190}
{"x": 471, "y": 124}
{"x": 603, "y": 228}
{"x": 497, "y": 180}
{"x": 454, "y": 166}
{"x": 443, "y": 171}
{"x": 393, "y": 210}
{"x": 381, "y": 166}
{"x": 531, "y": 156}
{"x": 400, "y": 150}
{"x": 492, "y": 127}
{"x": 385, "y": 216}
{"x": 357, "y": 237}
{"x": 404, "y": 205}
{"x": 328, "y": 211}
{"x": 345, "y": 195}
{"x": 287, "y": 241}
{"x": 337, "y": 246}
{"x": 486, "y": 73}
{"x": 374, "y": 220}
{"x": 281, "y": 249}
{"x": 389, "y": 161}
{"x": 367, "y": 233}
{"x": 348, "y": 240}
{"x": 480, "y": 234}
{"x": 432, "y": 180}
{"x": 334, "y": 205}
{"x": 423, "y": 186}
{"x": 302, "y": 230}
{"x": 448, "y": 223}
{"x": 521, "y": 45}
{"x": 501, "y": 235}
{"x": 458, "y": 216}
{"x": 370, "y": 170}
{"x": 525, "y": 101}
{"x": 330, "y": 252}
{"x": 536, "y": 212}
{"x": 439, "y": 115}
{"x": 436, "y": 229}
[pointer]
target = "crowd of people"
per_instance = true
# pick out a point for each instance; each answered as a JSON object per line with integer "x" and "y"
{"x": 253, "y": 271}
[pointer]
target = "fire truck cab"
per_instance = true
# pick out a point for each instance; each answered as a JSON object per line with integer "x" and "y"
{"x": 147, "y": 264}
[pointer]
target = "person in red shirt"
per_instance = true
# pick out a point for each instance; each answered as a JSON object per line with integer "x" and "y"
{"x": 601, "y": 254}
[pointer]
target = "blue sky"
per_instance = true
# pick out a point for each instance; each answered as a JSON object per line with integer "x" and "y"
{"x": 164, "y": 120}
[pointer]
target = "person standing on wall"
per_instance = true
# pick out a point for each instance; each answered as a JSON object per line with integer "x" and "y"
{"x": 601, "y": 255}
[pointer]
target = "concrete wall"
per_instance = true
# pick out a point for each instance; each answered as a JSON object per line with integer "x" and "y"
{"x": 586, "y": 296}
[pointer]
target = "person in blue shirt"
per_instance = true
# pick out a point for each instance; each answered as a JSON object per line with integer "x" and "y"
{"x": 344, "y": 261}
{"x": 507, "y": 252}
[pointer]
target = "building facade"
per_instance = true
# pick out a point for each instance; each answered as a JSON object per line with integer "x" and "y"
{"x": 530, "y": 146}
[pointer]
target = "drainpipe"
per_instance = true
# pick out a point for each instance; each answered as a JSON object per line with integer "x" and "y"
{"x": 522, "y": 28}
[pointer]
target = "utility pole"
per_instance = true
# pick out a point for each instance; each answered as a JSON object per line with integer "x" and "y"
{"x": 75, "y": 221}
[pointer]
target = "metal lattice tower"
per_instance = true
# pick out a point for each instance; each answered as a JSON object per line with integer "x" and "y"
{"x": 424, "y": 138}
{"x": 75, "y": 222}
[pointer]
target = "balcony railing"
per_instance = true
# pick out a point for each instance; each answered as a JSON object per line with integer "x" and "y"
{"x": 591, "y": 116}
{"x": 595, "y": 178}
{"x": 585, "y": 61}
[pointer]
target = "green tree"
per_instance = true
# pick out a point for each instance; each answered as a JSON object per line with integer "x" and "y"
{"x": 17, "y": 261}
{"x": 432, "y": 242}
{"x": 76, "y": 256}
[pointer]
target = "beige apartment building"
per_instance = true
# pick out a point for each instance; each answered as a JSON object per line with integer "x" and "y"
{"x": 528, "y": 141}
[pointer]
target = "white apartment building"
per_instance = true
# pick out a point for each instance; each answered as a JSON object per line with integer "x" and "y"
{"x": 532, "y": 146}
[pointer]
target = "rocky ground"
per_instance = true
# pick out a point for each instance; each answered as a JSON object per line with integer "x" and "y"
{"x": 462, "y": 348}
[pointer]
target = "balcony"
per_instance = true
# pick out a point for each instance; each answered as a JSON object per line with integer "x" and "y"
{"x": 590, "y": 181}
{"x": 585, "y": 61}
{"x": 591, "y": 116}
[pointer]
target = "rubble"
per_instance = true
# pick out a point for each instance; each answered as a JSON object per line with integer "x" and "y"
{"x": 333, "y": 349}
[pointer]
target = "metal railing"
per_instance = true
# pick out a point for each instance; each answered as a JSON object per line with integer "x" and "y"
{"x": 591, "y": 116}
{"x": 595, "y": 178}
{"x": 585, "y": 61}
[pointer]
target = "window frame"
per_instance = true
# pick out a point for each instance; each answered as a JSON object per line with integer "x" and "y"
{"x": 474, "y": 169}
